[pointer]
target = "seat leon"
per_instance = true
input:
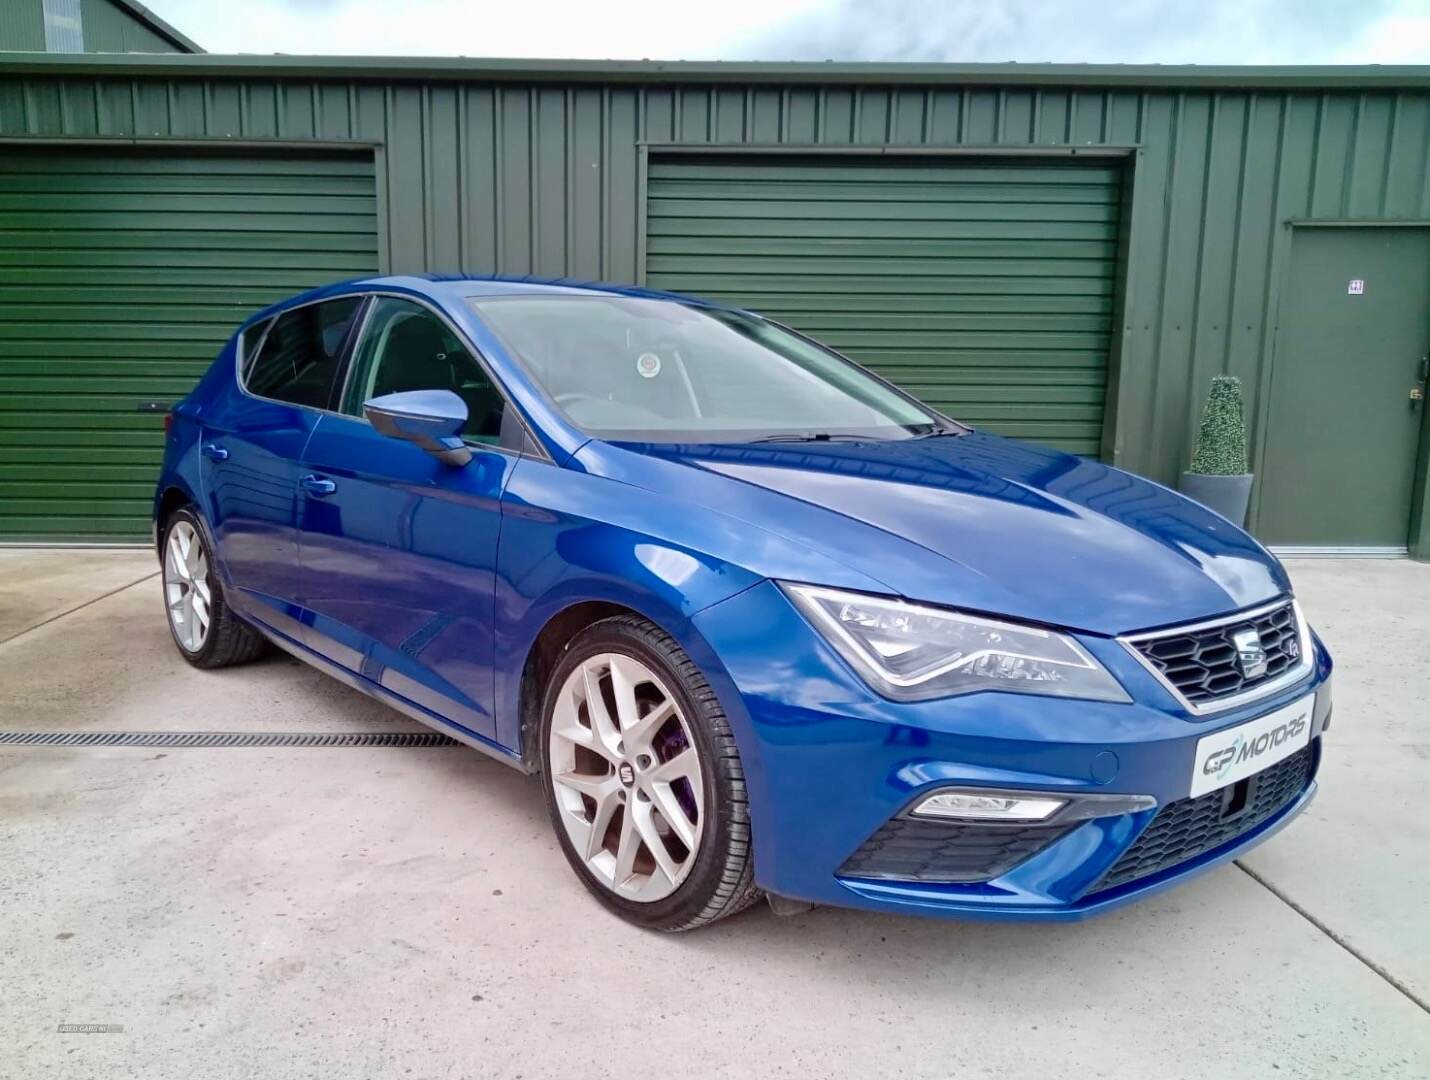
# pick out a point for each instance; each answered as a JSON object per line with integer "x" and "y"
{"x": 756, "y": 620}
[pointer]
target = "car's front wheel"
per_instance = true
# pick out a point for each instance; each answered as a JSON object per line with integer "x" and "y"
{"x": 643, "y": 779}
{"x": 206, "y": 631}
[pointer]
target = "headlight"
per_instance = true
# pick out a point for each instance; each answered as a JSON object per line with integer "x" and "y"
{"x": 909, "y": 652}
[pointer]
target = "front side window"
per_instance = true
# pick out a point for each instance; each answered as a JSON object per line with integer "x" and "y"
{"x": 664, "y": 371}
{"x": 404, "y": 346}
{"x": 298, "y": 359}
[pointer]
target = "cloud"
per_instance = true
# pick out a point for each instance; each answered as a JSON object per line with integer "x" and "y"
{"x": 1095, "y": 31}
{"x": 624, "y": 29}
{"x": 1068, "y": 31}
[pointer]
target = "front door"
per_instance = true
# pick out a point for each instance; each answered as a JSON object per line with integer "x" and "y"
{"x": 1344, "y": 427}
{"x": 398, "y": 549}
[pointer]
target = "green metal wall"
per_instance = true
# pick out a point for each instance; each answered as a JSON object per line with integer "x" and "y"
{"x": 545, "y": 178}
{"x": 110, "y": 29}
{"x": 107, "y": 29}
{"x": 22, "y": 25}
{"x": 984, "y": 286}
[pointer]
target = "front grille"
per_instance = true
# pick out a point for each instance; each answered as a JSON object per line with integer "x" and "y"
{"x": 1187, "y": 828}
{"x": 1203, "y": 664}
{"x": 913, "y": 849}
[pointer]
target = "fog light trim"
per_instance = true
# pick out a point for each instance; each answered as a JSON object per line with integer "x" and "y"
{"x": 962, "y": 805}
{"x": 991, "y": 807}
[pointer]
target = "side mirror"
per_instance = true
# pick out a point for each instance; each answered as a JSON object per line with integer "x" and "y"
{"x": 430, "y": 418}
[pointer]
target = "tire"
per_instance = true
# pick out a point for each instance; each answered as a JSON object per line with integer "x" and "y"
{"x": 593, "y": 781}
{"x": 225, "y": 639}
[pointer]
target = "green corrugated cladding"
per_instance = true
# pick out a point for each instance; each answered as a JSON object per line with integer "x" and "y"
{"x": 121, "y": 276}
{"x": 22, "y": 25}
{"x": 984, "y": 287}
{"x": 107, "y": 28}
{"x": 543, "y": 177}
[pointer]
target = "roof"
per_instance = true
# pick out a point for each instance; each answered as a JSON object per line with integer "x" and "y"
{"x": 141, "y": 14}
{"x": 459, "y": 287}
{"x": 475, "y": 285}
{"x": 397, "y": 69}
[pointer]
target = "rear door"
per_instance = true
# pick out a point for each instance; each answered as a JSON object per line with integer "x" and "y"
{"x": 252, "y": 450}
{"x": 398, "y": 549}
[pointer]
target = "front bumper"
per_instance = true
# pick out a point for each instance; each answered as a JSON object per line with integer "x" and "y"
{"x": 830, "y": 766}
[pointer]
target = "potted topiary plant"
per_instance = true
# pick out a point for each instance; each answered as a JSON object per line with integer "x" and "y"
{"x": 1220, "y": 475}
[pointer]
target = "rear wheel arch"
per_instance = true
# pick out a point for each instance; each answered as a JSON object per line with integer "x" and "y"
{"x": 191, "y": 584}
{"x": 172, "y": 499}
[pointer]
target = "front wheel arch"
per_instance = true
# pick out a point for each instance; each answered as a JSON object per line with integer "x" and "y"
{"x": 560, "y": 621}
{"x": 720, "y": 879}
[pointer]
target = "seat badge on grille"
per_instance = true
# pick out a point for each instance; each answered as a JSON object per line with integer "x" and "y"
{"x": 1250, "y": 653}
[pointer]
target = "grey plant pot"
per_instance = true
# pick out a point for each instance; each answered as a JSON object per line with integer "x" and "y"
{"x": 1229, "y": 496}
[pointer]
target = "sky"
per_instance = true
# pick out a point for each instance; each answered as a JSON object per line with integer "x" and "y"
{"x": 957, "y": 31}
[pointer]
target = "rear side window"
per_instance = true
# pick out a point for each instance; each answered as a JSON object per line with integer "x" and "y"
{"x": 298, "y": 360}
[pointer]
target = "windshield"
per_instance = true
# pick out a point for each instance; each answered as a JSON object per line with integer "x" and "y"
{"x": 661, "y": 371}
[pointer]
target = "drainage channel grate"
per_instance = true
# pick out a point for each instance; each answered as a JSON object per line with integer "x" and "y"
{"x": 203, "y": 739}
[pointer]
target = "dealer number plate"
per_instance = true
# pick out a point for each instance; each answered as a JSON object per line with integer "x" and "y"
{"x": 1236, "y": 753}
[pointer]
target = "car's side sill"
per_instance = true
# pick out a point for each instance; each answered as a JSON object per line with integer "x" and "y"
{"x": 387, "y": 697}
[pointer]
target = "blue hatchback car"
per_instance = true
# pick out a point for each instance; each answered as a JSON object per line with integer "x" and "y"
{"x": 759, "y": 621}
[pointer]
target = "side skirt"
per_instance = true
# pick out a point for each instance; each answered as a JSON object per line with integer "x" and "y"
{"x": 387, "y": 697}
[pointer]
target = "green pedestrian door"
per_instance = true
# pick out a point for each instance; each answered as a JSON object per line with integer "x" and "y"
{"x": 121, "y": 276}
{"x": 1344, "y": 428}
{"x": 983, "y": 287}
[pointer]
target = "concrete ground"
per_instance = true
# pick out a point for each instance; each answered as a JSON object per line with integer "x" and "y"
{"x": 406, "y": 912}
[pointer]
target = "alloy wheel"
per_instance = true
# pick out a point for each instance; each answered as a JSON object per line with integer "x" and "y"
{"x": 627, "y": 777}
{"x": 186, "y": 586}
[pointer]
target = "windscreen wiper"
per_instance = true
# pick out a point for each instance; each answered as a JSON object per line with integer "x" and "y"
{"x": 941, "y": 431}
{"x": 818, "y": 436}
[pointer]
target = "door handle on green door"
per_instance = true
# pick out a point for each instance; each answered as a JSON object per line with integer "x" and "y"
{"x": 317, "y": 486}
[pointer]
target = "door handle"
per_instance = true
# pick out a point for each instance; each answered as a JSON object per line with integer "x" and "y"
{"x": 215, "y": 452}
{"x": 316, "y": 485}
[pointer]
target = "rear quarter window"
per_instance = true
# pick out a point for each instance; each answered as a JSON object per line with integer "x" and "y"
{"x": 298, "y": 359}
{"x": 248, "y": 343}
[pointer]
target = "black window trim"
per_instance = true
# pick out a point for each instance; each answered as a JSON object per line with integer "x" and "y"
{"x": 241, "y": 354}
{"x": 342, "y": 357}
{"x": 350, "y": 352}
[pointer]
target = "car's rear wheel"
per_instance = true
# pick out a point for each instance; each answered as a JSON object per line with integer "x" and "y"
{"x": 206, "y": 631}
{"x": 643, "y": 779}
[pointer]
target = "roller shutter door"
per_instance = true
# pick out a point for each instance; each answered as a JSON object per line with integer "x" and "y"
{"x": 121, "y": 276}
{"x": 983, "y": 287}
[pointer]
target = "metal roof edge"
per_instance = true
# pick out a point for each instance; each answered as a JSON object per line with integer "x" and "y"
{"x": 138, "y": 11}
{"x": 397, "y": 69}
